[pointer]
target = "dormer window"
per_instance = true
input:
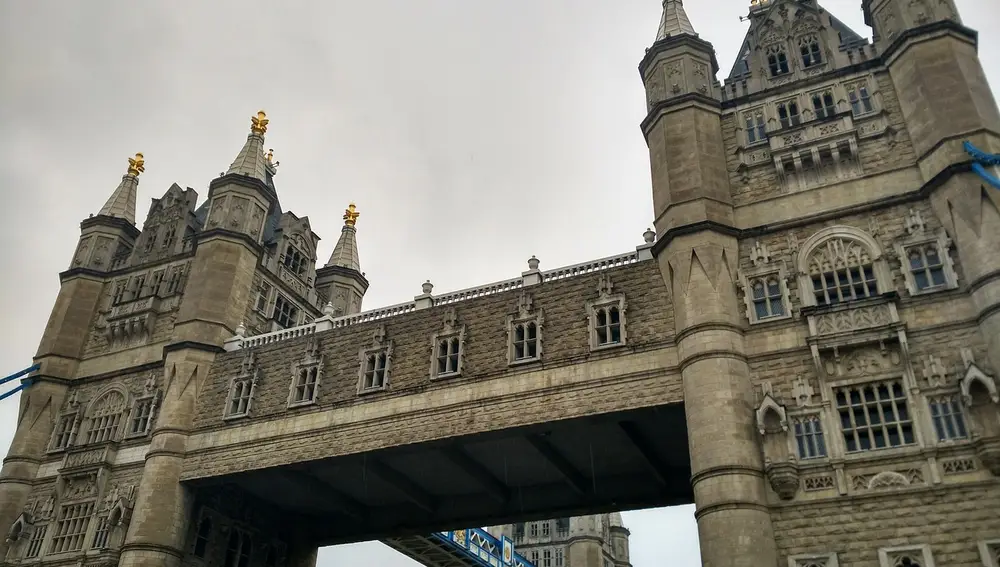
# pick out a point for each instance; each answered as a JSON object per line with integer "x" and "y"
{"x": 811, "y": 54}
{"x": 824, "y": 105}
{"x": 285, "y": 312}
{"x": 788, "y": 114}
{"x": 294, "y": 260}
{"x": 777, "y": 61}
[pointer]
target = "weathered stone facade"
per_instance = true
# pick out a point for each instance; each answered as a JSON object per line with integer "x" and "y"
{"x": 599, "y": 540}
{"x": 807, "y": 346}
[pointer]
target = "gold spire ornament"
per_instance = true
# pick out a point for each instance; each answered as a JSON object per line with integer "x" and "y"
{"x": 351, "y": 215}
{"x": 136, "y": 165}
{"x": 258, "y": 124}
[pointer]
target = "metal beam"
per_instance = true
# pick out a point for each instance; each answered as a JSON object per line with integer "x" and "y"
{"x": 645, "y": 449}
{"x": 404, "y": 485}
{"x": 323, "y": 489}
{"x": 565, "y": 468}
{"x": 496, "y": 489}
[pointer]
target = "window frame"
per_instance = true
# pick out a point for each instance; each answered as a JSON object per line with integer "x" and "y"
{"x": 447, "y": 337}
{"x": 380, "y": 345}
{"x": 297, "y": 371}
{"x": 764, "y": 271}
{"x": 249, "y": 373}
{"x": 73, "y": 418}
{"x": 796, "y": 417}
{"x": 880, "y": 269}
{"x": 757, "y": 135}
{"x": 134, "y": 412}
{"x": 607, "y": 300}
{"x": 803, "y": 560}
{"x": 525, "y": 315}
{"x": 888, "y": 555}
{"x": 988, "y": 551}
{"x": 920, "y": 238}
{"x": 854, "y": 89}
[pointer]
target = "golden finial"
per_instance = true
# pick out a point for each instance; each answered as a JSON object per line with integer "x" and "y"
{"x": 136, "y": 165}
{"x": 258, "y": 124}
{"x": 351, "y": 215}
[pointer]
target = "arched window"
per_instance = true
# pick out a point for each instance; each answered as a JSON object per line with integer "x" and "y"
{"x": 840, "y": 264}
{"x": 105, "y": 417}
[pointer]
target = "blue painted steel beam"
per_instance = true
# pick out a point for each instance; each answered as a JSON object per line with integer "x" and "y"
{"x": 483, "y": 549}
{"x": 24, "y": 383}
{"x": 981, "y": 160}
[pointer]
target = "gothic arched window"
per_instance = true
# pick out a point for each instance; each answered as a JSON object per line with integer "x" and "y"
{"x": 841, "y": 264}
{"x": 105, "y": 417}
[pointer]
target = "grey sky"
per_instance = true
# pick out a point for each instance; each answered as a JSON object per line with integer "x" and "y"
{"x": 471, "y": 135}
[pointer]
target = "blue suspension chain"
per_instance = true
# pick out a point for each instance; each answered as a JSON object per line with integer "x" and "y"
{"x": 982, "y": 160}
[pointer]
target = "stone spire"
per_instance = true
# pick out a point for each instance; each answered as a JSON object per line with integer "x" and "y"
{"x": 121, "y": 204}
{"x": 674, "y": 21}
{"x": 251, "y": 160}
{"x": 345, "y": 253}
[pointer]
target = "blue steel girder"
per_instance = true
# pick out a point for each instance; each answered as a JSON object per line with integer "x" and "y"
{"x": 459, "y": 548}
{"x": 24, "y": 382}
{"x": 982, "y": 160}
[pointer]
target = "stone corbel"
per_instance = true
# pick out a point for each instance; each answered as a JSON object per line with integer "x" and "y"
{"x": 783, "y": 477}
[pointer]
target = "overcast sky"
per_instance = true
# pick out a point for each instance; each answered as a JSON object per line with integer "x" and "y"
{"x": 472, "y": 135}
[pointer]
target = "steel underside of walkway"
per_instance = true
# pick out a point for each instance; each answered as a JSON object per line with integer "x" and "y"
{"x": 460, "y": 548}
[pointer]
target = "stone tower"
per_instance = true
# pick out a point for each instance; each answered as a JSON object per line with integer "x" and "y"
{"x": 698, "y": 251}
{"x": 599, "y": 540}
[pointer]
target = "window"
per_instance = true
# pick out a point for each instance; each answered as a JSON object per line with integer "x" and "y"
{"x": 304, "y": 387}
{"x": 35, "y": 543}
{"x": 141, "y": 419}
{"x": 860, "y": 99}
{"x": 533, "y": 529}
{"x": 525, "y": 341}
{"x": 926, "y": 266}
{"x": 139, "y": 286}
{"x": 203, "y": 537}
{"x": 518, "y": 532}
{"x": 825, "y": 560}
{"x": 546, "y": 529}
{"x": 874, "y": 416}
{"x": 447, "y": 355}
{"x": 788, "y": 114}
{"x": 811, "y": 54}
{"x": 74, "y": 519}
{"x": 285, "y": 313}
{"x": 989, "y": 552}
{"x": 119, "y": 293}
{"x": 174, "y": 284}
{"x": 559, "y": 557}
{"x": 768, "y": 299}
{"x": 546, "y": 558}
{"x": 105, "y": 417}
{"x": 608, "y": 325}
{"x": 562, "y": 527}
{"x": 101, "y": 533}
{"x": 294, "y": 260}
{"x": 154, "y": 284}
{"x": 842, "y": 270}
{"x": 910, "y": 556}
{"x": 949, "y": 423}
{"x": 238, "y": 549}
{"x": 534, "y": 557}
{"x": 824, "y": 105}
{"x": 240, "y": 395}
{"x": 755, "y": 127}
{"x": 263, "y": 293}
{"x": 777, "y": 61}
{"x": 376, "y": 364}
{"x": 63, "y": 435}
{"x": 150, "y": 242}
{"x": 169, "y": 236}
{"x": 809, "y": 437}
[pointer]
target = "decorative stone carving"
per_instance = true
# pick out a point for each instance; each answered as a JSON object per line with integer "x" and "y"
{"x": 759, "y": 254}
{"x": 802, "y": 391}
{"x": 934, "y": 372}
{"x": 850, "y": 320}
{"x": 783, "y": 477}
{"x": 973, "y": 375}
{"x": 988, "y": 451}
{"x": 768, "y": 404}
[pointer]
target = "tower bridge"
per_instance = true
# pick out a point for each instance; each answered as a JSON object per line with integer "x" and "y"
{"x": 806, "y": 345}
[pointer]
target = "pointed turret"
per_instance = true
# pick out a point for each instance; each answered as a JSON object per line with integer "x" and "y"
{"x": 345, "y": 253}
{"x": 241, "y": 200}
{"x": 121, "y": 204}
{"x": 107, "y": 239}
{"x": 674, "y": 21}
{"x": 252, "y": 161}
{"x": 340, "y": 283}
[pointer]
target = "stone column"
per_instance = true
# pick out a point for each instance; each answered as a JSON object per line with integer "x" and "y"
{"x": 734, "y": 524}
